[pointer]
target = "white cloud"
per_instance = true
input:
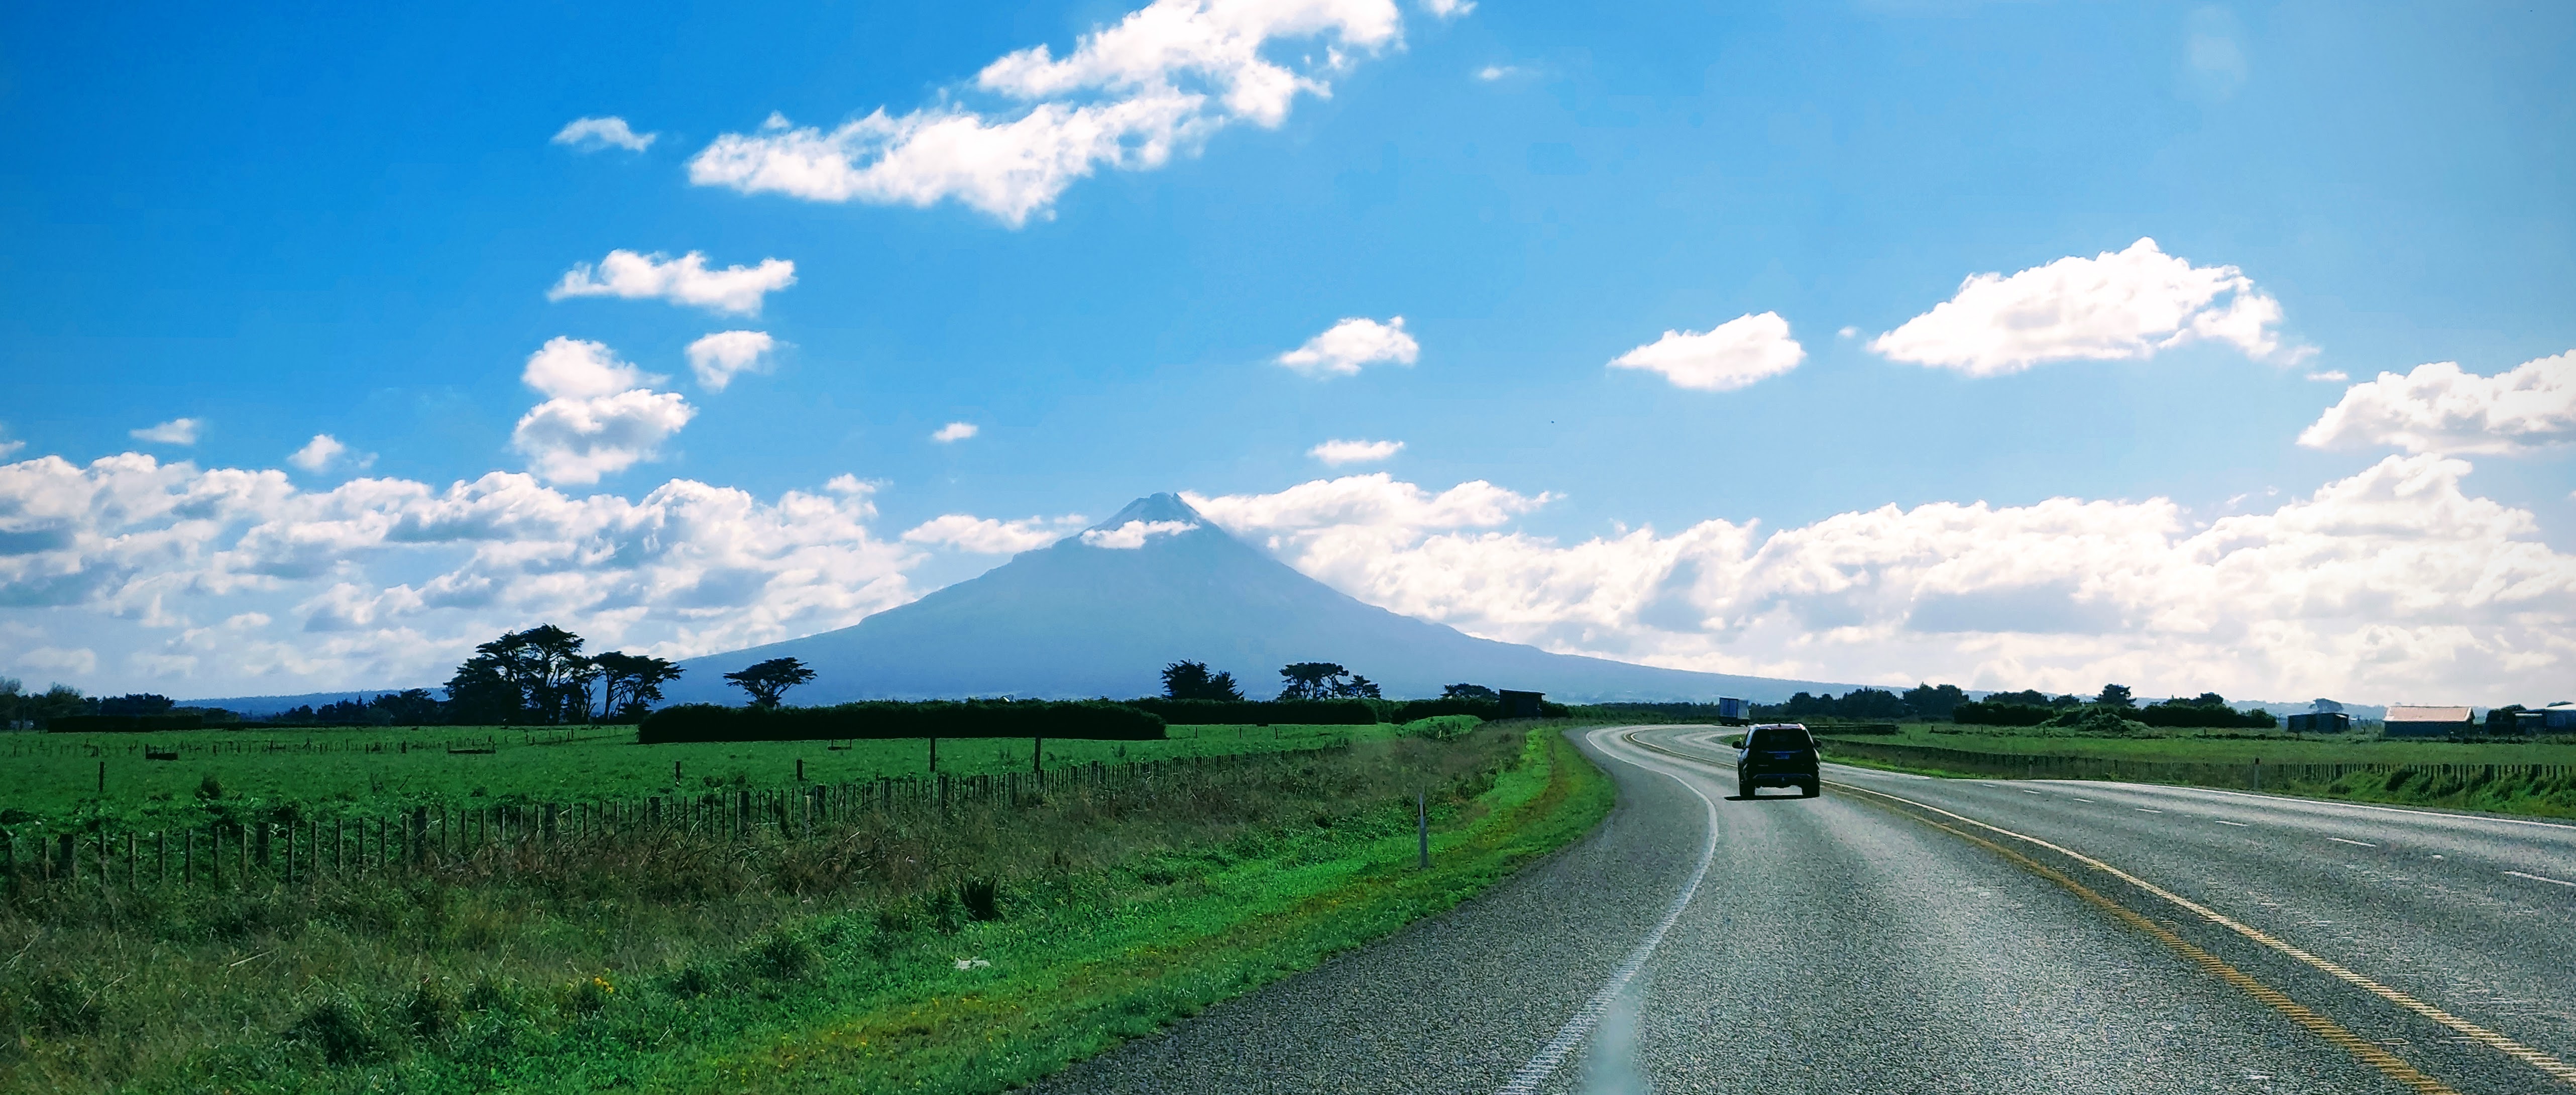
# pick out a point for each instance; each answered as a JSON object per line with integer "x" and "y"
{"x": 1133, "y": 534}
{"x": 2330, "y": 376}
{"x": 325, "y": 450}
{"x": 1352, "y": 343}
{"x": 984, "y": 535}
{"x": 392, "y": 582}
{"x": 1491, "y": 73}
{"x": 8, "y": 446}
{"x": 685, "y": 280}
{"x": 2440, "y": 408}
{"x": 1128, "y": 96}
{"x": 79, "y": 660}
{"x": 2116, "y": 306}
{"x": 1733, "y": 355}
{"x": 955, "y": 431}
{"x": 177, "y": 431}
{"x": 593, "y": 134}
{"x": 1338, "y": 452}
{"x": 2391, "y": 582}
{"x": 599, "y": 419}
{"x": 719, "y": 357}
{"x": 1448, "y": 9}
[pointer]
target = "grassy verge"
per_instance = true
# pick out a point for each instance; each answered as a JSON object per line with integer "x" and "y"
{"x": 2460, "y": 780}
{"x": 900, "y": 954}
{"x": 2230, "y": 746}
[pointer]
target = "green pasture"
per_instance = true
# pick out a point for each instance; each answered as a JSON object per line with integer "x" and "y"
{"x": 2226, "y": 747}
{"x": 374, "y": 771}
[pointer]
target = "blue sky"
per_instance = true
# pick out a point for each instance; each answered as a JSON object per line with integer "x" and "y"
{"x": 289, "y": 223}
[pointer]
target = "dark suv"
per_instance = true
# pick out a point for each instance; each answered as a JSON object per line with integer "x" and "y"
{"x": 1777, "y": 754}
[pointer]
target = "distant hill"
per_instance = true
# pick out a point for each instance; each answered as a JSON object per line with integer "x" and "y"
{"x": 262, "y": 706}
{"x": 1100, "y": 614}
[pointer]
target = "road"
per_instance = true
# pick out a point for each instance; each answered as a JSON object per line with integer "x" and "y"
{"x": 1906, "y": 934}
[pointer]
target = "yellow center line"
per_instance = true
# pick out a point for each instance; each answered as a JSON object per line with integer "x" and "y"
{"x": 2557, "y": 1069}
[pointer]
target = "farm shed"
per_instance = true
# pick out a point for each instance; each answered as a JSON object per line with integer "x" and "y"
{"x": 2428, "y": 722}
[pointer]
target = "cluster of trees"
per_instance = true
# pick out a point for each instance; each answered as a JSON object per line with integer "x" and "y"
{"x": 540, "y": 676}
{"x": 2034, "y": 708}
{"x": 1304, "y": 681}
{"x": 1324, "y": 681}
{"x": 1923, "y": 701}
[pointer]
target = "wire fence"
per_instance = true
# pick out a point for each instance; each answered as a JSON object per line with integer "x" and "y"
{"x": 291, "y": 850}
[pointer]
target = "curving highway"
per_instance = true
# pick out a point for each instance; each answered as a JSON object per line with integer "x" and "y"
{"x": 1906, "y": 934}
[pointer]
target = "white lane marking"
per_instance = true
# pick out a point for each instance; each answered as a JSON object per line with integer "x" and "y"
{"x": 2238, "y": 824}
{"x": 2144, "y": 810}
{"x": 2025, "y": 790}
{"x": 2079, "y": 799}
{"x": 2363, "y": 843}
{"x": 1553, "y": 1054}
{"x": 2537, "y": 878}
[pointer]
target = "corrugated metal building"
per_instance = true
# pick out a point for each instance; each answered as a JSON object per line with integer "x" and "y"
{"x": 2428, "y": 722}
{"x": 2320, "y": 722}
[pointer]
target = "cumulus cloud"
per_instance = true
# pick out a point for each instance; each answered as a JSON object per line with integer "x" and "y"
{"x": 2330, "y": 376}
{"x": 2440, "y": 408}
{"x": 2116, "y": 306}
{"x": 719, "y": 357}
{"x": 323, "y": 451}
{"x": 1128, "y": 96}
{"x": 1133, "y": 534}
{"x": 177, "y": 431}
{"x": 1448, "y": 9}
{"x": 987, "y": 536}
{"x": 593, "y": 134}
{"x": 1351, "y": 344}
{"x": 393, "y": 581}
{"x": 1491, "y": 73}
{"x": 1732, "y": 355}
{"x": 2393, "y": 582}
{"x": 685, "y": 280}
{"x": 955, "y": 431}
{"x": 599, "y": 418}
{"x": 1338, "y": 452}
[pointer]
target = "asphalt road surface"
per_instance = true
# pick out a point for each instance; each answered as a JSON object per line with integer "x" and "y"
{"x": 1905, "y": 934}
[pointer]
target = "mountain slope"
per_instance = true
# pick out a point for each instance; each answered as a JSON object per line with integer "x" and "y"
{"x": 1100, "y": 614}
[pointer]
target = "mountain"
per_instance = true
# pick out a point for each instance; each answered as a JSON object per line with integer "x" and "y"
{"x": 1100, "y": 614}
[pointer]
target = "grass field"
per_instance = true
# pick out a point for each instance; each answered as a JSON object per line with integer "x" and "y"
{"x": 2239, "y": 747}
{"x": 928, "y": 953}
{"x": 372, "y": 772}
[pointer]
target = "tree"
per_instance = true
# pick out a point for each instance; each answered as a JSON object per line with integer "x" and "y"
{"x": 630, "y": 684}
{"x": 2116, "y": 697}
{"x": 1311, "y": 680}
{"x": 411, "y": 705}
{"x": 1358, "y": 687}
{"x": 134, "y": 703}
{"x": 1475, "y": 692}
{"x": 1934, "y": 702}
{"x": 12, "y": 696}
{"x": 2325, "y": 707}
{"x": 537, "y": 675}
{"x": 1192, "y": 681}
{"x": 766, "y": 680}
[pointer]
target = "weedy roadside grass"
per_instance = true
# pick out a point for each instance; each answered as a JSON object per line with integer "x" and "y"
{"x": 373, "y": 772}
{"x": 964, "y": 954}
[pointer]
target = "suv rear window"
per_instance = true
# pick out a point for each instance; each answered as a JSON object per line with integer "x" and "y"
{"x": 1778, "y": 737}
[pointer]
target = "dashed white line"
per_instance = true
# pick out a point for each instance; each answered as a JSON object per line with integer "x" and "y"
{"x": 2537, "y": 878}
{"x": 2079, "y": 799}
{"x": 2361, "y": 843}
{"x": 2238, "y": 824}
{"x": 2144, "y": 810}
{"x": 2025, "y": 790}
